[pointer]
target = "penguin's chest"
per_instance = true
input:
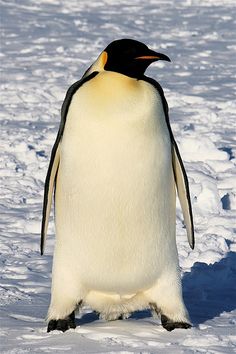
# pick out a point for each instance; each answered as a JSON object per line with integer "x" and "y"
{"x": 115, "y": 136}
{"x": 115, "y": 175}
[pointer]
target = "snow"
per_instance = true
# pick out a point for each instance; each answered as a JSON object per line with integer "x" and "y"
{"x": 46, "y": 45}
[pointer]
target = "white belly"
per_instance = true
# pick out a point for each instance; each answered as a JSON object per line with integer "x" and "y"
{"x": 115, "y": 199}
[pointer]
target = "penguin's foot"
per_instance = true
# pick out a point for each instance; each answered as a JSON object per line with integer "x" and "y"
{"x": 169, "y": 325}
{"x": 62, "y": 325}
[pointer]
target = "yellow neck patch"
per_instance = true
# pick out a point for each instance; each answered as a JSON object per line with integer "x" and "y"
{"x": 99, "y": 64}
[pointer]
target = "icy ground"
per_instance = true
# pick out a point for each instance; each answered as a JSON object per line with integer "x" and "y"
{"x": 46, "y": 45}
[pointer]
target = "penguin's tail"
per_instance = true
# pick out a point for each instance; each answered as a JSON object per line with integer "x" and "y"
{"x": 113, "y": 307}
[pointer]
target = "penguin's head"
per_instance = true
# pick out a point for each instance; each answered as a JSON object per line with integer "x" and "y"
{"x": 129, "y": 57}
{"x": 126, "y": 56}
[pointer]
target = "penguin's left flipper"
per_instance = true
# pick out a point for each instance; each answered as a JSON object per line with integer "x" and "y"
{"x": 170, "y": 325}
{"x": 181, "y": 179}
{"x": 182, "y": 187}
{"x": 62, "y": 325}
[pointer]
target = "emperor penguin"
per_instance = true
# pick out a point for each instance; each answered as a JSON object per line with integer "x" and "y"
{"x": 114, "y": 170}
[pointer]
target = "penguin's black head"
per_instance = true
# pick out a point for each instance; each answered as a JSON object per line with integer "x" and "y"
{"x": 130, "y": 57}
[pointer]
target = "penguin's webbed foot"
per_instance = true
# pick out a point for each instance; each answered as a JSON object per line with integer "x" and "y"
{"x": 62, "y": 325}
{"x": 170, "y": 325}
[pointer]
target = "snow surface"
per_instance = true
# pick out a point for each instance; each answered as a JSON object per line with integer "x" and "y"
{"x": 46, "y": 45}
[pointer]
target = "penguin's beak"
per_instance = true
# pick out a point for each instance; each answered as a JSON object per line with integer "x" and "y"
{"x": 153, "y": 56}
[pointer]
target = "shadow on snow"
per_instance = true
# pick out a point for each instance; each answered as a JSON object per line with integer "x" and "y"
{"x": 210, "y": 289}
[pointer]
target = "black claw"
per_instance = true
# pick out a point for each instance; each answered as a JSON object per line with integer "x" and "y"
{"x": 62, "y": 325}
{"x": 170, "y": 325}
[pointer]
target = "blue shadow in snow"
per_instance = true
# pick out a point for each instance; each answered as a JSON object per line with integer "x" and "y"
{"x": 229, "y": 151}
{"x": 210, "y": 289}
{"x": 87, "y": 318}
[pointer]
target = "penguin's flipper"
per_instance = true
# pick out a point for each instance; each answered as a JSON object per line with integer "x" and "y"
{"x": 182, "y": 187}
{"x": 48, "y": 191}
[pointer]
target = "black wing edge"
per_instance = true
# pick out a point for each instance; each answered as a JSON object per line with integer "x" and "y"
{"x": 46, "y": 189}
{"x": 166, "y": 111}
{"x": 64, "y": 111}
{"x": 192, "y": 243}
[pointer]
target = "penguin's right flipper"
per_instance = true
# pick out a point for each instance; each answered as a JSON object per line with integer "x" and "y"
{"x": 48, "y": 191}
{"x": 182, "y": 187}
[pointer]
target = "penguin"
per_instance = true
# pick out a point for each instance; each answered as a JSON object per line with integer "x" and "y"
{"x": 114, "y": 171}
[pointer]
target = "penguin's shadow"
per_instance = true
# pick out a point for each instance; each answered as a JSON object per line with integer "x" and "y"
{"x": 87, "y": 318}
{"x": 208, "y": 291}
{"x": 93, "y": 316}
